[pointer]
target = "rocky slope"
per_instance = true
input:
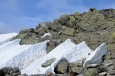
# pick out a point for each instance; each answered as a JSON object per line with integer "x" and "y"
{"x": 94, "y": 27}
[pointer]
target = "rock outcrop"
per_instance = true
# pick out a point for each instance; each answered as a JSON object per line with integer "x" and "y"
{"x": 94, "y": 27}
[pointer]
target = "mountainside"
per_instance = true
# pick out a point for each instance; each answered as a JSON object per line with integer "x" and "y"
{"x": 94, "y": 27}
{"x": 71, "y": 45}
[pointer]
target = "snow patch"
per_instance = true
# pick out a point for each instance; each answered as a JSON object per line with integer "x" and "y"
{"x": 77, "y": 52}
{"x": 12, "y": 54}
{"x": 96, "y": 56}
{"x": 6, "y": 37}
{"x": 46, "y": 34}
{"x": 29, "y": 58}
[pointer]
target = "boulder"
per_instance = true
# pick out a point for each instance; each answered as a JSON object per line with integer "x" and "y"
{"x": 6, "y": 69}
{"x": 91, "y": 72}
{"x": 63, "y": 19}
{"x": 68, "y": 31}
{"x": 2, "y": 73}
{"x": 15, "y": 70}
{"x": 62, "y": 67}
{"x": 77, "y": 70}
{"x": 48, "y": 62}
{"x": 51, "y": 45}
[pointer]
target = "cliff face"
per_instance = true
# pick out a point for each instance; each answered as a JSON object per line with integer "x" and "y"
{"x": 94, "y": 27}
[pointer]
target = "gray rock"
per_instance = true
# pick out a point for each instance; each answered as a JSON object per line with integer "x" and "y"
{"x": 91, "y": 72}
{"x": 6, "y": 69}
{"x": 62, "y": 67}
{"x": 2, "y": 73}
{"x": 51, "y": 45}
{"x": 110, "y": 66}
{"x": 77, "y": 69}
{"x": 103, "y": 74}
{"x": 16, "y": 74}
{"x": 15, "y": 70}
{"x": 48, "y": 62}
{"x": 112, "y": 72}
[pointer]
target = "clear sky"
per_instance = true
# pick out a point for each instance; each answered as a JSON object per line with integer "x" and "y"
{"x": 21, "y": 14}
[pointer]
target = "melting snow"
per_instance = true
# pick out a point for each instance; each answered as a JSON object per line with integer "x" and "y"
{"x": 47, "y": 34}
{"x": 29, "y": 58}
{"x": 6, "y": 37}
{"x": 96, "y": 56}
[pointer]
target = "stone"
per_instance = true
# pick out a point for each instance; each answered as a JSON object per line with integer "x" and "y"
{"x": 2, "y": 73}
{"x": 64, "y": 19}
{"x": 6, "y": 69}
{"x": 110, "y": 66}
{"x": 15, "y": 70}
{"x": 23, "y": 31}
{"x": 91, "y": 72}
{"x": 68, "y": 31}
{"x": 51, "y": 45}
{"x": 92, "y": 9}
{"x": 16, "y": 74}
{"x": 73, "y": 74}
{"x": 48, "y": 62}
{"x": 103, "y": 74}
{"x": 112, "y": 72}
{"x": 62, "y": 67}
{"x": 77, "y": 69}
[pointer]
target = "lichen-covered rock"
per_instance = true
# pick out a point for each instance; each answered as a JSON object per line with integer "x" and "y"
{"x": 48, "y": 62}
{"x": 63, "y": 19}
{"x": 68, "y": 31}
{"x": 77, "y": 69}
{"x": 62, "y": 67}
{"x": 92, "y": 9}
{"x": 94, "y": 27}
{"x": 91, "y": 72}
{"x": 77, "y": 15}
{"x": 51, "y": 45}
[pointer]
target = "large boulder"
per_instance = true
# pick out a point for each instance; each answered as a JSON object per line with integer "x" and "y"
{"x": 91, "y": 72}
{"x": 51, "y": 45}
{"x": 63, "y": 19}
{"x": 68, "y": 31}
{"x": 62, "y": 67}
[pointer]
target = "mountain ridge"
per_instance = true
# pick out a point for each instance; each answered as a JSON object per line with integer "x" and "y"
{"x": 94, "y": 27}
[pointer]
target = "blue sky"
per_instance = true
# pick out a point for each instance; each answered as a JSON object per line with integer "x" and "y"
{"x": 22, "y": 14}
